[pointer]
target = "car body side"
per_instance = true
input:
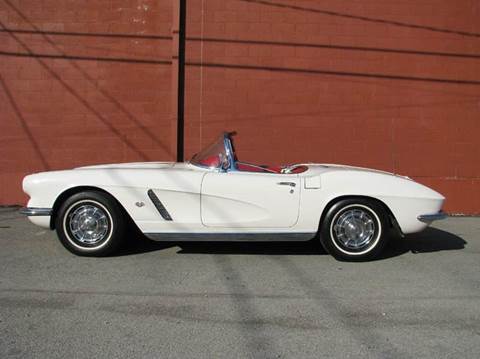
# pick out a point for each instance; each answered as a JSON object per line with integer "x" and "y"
{"x": 179, "y": 188}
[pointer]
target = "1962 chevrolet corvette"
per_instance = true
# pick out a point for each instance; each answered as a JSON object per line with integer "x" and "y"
{"x": 216, "y": 197}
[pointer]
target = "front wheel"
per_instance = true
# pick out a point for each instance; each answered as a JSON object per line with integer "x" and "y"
{"x": 90, "y": 224}
{"x": 354, "y": 229}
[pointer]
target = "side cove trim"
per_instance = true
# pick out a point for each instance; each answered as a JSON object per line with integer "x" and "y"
{"x": 159, "y": 205}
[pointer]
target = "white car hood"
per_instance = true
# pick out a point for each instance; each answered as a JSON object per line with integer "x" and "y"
{"x": 134, "y": 165}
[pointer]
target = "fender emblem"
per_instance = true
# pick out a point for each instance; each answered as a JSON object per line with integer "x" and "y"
{"x": 139, "y": 204}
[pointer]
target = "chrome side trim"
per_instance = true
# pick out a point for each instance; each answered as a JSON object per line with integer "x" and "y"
{"x": 33, "y": 211}
{"x": 428, "y": 218}
{"x": 234, "y": 237}
{"x": 159, "y": 205}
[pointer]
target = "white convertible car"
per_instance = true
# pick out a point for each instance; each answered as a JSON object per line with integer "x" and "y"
{"x": 216, "y": 197}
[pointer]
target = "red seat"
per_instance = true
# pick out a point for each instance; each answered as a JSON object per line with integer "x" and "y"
{"x": 255, "y": 168}
{"x": 212, "y": 161}
{"x": 276, "y": 169}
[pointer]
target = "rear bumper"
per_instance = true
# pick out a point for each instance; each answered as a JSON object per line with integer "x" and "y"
{"x": 429, "y": 218}
{"x": 34, "y": 211}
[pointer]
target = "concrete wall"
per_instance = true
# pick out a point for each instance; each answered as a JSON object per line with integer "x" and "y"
{"x": 391, "y": 85}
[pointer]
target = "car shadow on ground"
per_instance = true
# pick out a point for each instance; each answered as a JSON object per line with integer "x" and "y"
{"x": 430, "y": 240}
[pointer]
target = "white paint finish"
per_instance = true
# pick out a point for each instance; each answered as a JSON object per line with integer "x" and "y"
{"x": 128, "y": 183}
{"x": 407, "y": 210}
{"x": 312, "y": 182}
{"x": 42, "y": 221}
{"x": 405, "y": 198}
{"x": 249, "y": 200}
{"x": 184, "y": 207}
{"x": 235, "y": 201}
{"x": 136, "y": 165}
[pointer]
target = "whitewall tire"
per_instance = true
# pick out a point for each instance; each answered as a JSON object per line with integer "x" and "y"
{"x": 354, "y": 229}
{"x": 90, "y": 223}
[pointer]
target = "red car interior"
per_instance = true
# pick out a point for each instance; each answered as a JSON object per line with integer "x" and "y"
{"x": 255, "y": 168}
{"x": 214, "y": 161}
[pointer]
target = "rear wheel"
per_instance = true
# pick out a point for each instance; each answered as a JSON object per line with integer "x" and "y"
{"x": 354, "y": 229}
{"x": 90, "y": 224}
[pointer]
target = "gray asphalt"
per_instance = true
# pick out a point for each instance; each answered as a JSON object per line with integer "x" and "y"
{"x": 226, "y": 300}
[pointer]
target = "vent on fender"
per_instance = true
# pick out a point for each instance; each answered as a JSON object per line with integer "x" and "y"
{"x": 159, "y": 205}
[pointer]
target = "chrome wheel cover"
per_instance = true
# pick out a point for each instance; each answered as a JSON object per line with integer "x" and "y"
{"x": 88, "y": 224}
{"x": 354, "y": 229}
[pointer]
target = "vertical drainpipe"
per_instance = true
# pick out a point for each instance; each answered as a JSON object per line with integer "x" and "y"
{"x": 178, "y": 78}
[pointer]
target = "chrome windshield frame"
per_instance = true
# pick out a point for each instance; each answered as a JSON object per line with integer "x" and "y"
{"x": 229, "y": 151}
{"x": 227, "y": 143}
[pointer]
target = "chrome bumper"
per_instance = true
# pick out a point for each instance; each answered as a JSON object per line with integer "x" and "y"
{"x": 429, "y": 218}
{"x": 33, "y": 211}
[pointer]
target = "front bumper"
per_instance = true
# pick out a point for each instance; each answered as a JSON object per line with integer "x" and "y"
{"x": 429, "y": 218}
{"x": 34, "y": 211}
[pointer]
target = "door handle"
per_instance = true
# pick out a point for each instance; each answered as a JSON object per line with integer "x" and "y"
{"x": 291, "y": 184}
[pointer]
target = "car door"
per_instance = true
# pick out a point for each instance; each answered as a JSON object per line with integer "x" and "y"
{"x": 249, "y": 200}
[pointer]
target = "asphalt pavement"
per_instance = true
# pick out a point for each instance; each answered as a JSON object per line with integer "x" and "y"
{"x": 239, "y": 300}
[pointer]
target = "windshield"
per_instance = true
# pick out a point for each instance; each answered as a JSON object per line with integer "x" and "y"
{"x": 213, "y": 156}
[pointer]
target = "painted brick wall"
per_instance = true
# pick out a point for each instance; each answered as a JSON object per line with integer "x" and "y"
{"x": 82, "y": 83}
{"x": 390, "y": 85}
